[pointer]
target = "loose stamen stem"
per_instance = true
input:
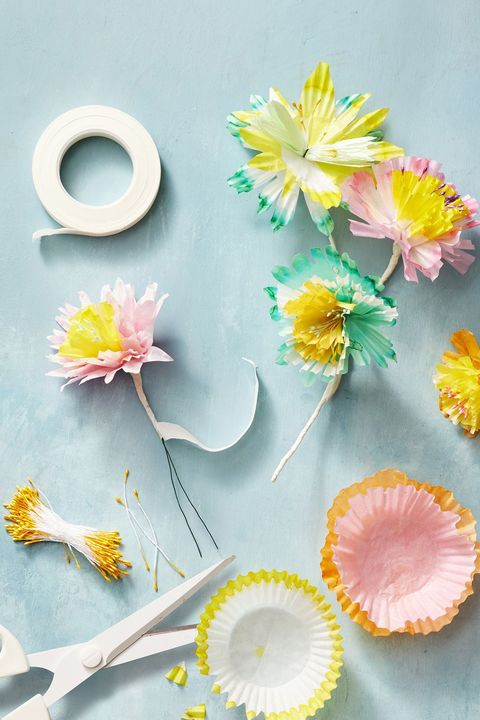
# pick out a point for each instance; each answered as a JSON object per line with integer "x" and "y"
{"x": 173, "y": 565}
{"x": 127, "y": 508}
{"x": 334, "y": 384}
{"x": 152, "y": 529}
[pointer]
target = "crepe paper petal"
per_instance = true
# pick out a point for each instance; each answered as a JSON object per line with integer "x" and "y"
{"x": 330, "y": 313}
{"x": 458, "y": 381}
{"x": 198, "y": 712}
{"x": 399, "y": 555}
{"x": 98, "y": 340}
{"x": 32, "y": 520}
{"x": 311, "y": 146}
{"x": 408, "y": 201}
{"x": 272, "y": 644}
{"x": 178, "y": 674}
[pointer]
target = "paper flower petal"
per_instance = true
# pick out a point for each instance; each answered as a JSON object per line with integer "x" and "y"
{"x": 272, "y": 644}
{"x": 408, "y": 201}
{"x": 310, "y": 147}
{"x": 98, "y": 340}
{"x": 458, "y": 382}
{"x": 400, "y": 555}
{"x": 329, "y": 313}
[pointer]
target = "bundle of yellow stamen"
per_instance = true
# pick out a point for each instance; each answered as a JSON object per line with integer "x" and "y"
{"x": 33, "y": 520}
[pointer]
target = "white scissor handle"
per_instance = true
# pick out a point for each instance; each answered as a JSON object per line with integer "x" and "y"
{"x": 34, "y": 709}
{"x": 13, "y": 660}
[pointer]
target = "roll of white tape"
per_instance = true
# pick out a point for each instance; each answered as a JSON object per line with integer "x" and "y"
{"x": 78, "y": 218}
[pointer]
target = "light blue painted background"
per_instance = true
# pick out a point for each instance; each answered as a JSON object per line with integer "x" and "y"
{"x": 180, "y": 68}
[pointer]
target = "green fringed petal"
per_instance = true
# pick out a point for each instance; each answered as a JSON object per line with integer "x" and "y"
{"x": 376, "y": 135}
{"x": 275, "y": 313}
{"x": 257, "y": 102}
{"x": 241, "y": 181}
{"x": 271, "y": 292}
{"x": 300, "y": 262}
{"x": 363, "y": 323}
{"x": 234, "y": 125}
{"x": 282, "y": 273}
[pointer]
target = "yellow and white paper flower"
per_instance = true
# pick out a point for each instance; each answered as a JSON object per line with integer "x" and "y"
{"x": 272, "y": 644}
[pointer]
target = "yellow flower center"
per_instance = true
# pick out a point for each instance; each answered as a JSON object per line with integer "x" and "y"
{"x": 318, "y": 324}
{"x": 424, "y": 198}
{"x": 92, "y": 330}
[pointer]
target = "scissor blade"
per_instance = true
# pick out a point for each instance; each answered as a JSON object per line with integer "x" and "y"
{"x": 150, "y": 644}
{"x": 117, "y": 638}
{"x": 81, "y": 662}
{"x": 156, "y": 642}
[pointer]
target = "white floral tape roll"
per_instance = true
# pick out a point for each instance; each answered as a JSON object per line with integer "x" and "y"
{"x": 78, "y": 218}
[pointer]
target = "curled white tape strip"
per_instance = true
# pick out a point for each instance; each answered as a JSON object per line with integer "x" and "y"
{"x": 78, "y": 218}
{"x": 172, "y": 431}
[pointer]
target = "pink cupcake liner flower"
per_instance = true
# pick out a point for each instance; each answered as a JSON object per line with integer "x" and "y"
{"x": 96, "y": 340}
{"x": 408, "y": 200}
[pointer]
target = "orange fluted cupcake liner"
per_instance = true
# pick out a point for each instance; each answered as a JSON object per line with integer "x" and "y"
{"x": 418, "y": 536}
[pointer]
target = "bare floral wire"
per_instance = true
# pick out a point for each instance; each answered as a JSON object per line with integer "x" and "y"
{"x": 172, "y": 481}
{"x": 334, "y": 384}
{"x": 188, "y": 497}
{"x": 137, "y": 381}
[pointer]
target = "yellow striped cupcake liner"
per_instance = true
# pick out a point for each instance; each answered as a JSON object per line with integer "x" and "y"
{"x": 272, "y": 644}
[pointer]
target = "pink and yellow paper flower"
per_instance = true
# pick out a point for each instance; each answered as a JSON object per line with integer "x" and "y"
{"x": 96, "y": 340}
{"x": 408, "y": 200}
{"x": 311, "y": 146}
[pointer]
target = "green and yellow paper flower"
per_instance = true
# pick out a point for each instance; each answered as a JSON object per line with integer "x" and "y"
{"x": 458, "y": 382}
{"x": 312, "y": 146}
{"x": 328, "y": 313}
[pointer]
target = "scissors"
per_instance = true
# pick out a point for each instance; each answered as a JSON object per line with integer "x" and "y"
{"x": 125, "y": 641}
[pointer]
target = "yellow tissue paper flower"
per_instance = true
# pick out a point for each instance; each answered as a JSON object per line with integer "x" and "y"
{"x": 458, "y": 382}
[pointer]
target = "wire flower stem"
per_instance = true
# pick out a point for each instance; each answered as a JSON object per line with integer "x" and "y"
{"x": 330, "y": 391}
{"x": 392, "y": 264}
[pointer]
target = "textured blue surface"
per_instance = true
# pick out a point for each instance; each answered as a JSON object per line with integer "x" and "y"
{"x": 180, "y": 68}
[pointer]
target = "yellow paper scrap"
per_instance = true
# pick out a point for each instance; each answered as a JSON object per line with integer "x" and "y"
{"x": 178, "y": 674}
{"x": 198, "y": 712}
